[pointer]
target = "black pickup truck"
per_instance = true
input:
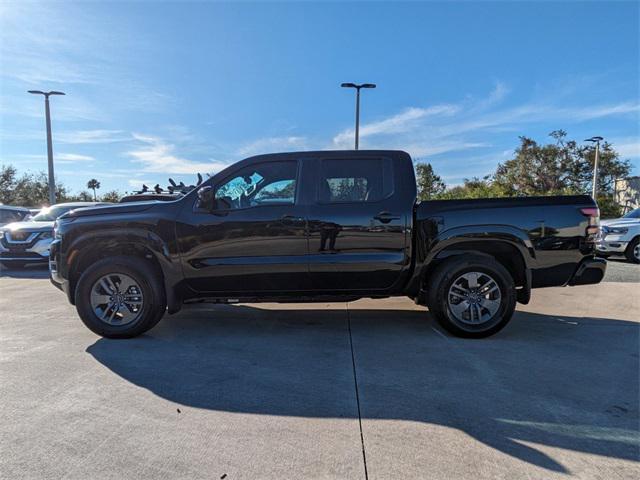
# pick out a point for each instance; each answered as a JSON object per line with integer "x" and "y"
{"x": 321, "y": 226}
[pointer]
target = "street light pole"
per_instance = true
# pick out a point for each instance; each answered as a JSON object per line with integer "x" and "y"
{"x": 358, "y": 87}
{"x": 47, "y": 111}
{"x": 594, "y": 188}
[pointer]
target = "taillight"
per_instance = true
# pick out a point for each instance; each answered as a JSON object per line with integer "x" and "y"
{"x": 594, "y": 222}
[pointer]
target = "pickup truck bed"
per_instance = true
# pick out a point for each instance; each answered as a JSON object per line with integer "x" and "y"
{"x": 320, "y": 226}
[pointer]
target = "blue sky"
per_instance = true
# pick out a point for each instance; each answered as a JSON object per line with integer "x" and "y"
{"x": 158, "y": 89}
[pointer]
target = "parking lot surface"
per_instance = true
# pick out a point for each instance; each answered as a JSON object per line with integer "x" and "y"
{"x": 369, "y": 389}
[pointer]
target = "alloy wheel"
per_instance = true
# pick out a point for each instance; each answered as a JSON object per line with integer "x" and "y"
{"x": 474, "y": 298}
{"x": 116, "y": 299}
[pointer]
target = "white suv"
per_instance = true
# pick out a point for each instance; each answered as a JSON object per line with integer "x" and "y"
{"x": 621, "y": 236}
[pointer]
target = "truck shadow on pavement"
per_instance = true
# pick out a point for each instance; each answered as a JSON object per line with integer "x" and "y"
{"x": 39, "y": 271}
{"x": 568, "y": 383}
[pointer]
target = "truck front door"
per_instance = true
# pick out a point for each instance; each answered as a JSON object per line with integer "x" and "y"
{"x": 255, "y": 239}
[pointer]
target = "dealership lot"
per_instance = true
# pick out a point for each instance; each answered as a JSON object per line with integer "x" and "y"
{"x": 369, "y": 388}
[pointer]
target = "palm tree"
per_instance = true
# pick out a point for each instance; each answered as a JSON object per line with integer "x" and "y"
{"x": 93, "y": 184}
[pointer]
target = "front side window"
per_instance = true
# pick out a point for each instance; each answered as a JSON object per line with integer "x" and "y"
{"x": 355, "y": 180}
{"x": 261, "y": 184}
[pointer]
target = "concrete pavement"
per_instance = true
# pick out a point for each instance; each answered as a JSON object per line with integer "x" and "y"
{"x": 369, "y": 388}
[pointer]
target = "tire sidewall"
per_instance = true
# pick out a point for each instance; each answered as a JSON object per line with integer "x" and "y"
{"x": 629, "y": 253}
{"x": 152, "y": 308}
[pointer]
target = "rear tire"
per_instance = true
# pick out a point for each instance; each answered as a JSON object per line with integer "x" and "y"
{"x": 120, "y": 297}
{"x": 472, "y": 296}
{"x": 633, "y": 251}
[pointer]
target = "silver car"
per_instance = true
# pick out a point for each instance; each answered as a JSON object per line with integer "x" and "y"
{"x": 28, "y": 241}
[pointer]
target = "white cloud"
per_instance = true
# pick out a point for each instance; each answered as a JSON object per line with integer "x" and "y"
{"x": 272, "y": 144}
{"x": 402, "y": 122}
{"x": 138, "y": 183}
{"x": 627, "y": 149}
{"x": 72, "y": 158}
{"x": 157, "y": 156}
{"x": 92, "y": 136}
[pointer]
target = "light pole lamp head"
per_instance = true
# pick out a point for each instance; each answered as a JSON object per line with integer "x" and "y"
{"x": 355, "y": 85}
{"x": 594, "y": 139}
{"x": 46, "y": 94}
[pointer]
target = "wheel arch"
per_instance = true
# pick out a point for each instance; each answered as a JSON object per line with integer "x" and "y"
{"x": 508, "y": 246}
{"x": 87, "y": 250}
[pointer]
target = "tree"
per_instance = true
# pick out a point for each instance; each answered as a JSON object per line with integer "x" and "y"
{"x": 112, "y": 196}
{"x": 7, "y": 184}
{"x": 83, "y": 196}
{"x": 429, "y": 184}
{"x": 93, "y": 184}
{"x": 28, "y": 190}
{"x": 559, "y": 168}
{"x": 474, "y": 188}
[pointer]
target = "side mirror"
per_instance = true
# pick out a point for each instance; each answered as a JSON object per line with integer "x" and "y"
{"x": 205, "y": 198}
{"x": 222, "y": 203}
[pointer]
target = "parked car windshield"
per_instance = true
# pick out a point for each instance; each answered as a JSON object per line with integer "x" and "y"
{"x": 633, "y": 214}
{"x": 49, "y": 214}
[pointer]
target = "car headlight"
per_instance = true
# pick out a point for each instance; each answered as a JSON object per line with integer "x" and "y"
{"x": 1, "y": 233}
{"x": 45, "y": 235}
{"x": 617, "y": 230}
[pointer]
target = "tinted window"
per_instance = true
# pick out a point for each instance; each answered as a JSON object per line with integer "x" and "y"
{"x": 633, "y": 214}
{"x": 260, "y": 184}
{"x": 355, "y": 180}
{"x": 8, "y": 216}
{"x": 49, "y": 214}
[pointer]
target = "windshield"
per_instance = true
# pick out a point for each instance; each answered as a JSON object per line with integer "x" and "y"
{"x": 49, "y": 214}
{"x": 633, "y": 214}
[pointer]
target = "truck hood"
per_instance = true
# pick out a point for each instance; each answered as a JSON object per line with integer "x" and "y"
{"x": 132, "y": 207}
{"x": 29, "y": 226}
{"x": 621, "y": 222}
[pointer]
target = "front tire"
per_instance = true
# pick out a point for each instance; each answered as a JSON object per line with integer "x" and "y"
{"x": 120, "y": 297}
{"x": 633, "y": 251}
{"x": 472, "y": 296}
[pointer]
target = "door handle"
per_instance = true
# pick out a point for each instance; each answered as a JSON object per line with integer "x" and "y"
{"x": 386, "y": 217}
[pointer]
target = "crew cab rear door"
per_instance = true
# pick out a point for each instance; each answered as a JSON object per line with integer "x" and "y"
{"x": 359, "y": 221}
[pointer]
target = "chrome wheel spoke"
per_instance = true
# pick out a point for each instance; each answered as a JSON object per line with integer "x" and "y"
{"x": 491, "y": 305}
{"x": 459, "y": 308}
{"x": 125, "y": 284}
{"x": 100, "y": 299}
{"x": 472, "y": 279}
{"x": 107, "y": 285}
{"x": 457, "y": 295}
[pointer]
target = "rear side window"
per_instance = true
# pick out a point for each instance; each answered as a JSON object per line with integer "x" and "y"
{"x": 355, "y": 180}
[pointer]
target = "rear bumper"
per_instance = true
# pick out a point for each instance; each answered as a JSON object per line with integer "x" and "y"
{"x": 589, "y": 271}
